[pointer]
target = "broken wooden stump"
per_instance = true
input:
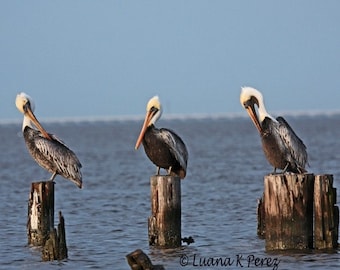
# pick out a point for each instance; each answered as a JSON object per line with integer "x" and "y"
{"x": 40, "y": 212}
{"x": 40, "y": 223}
{"x": 55, "y": 246}
{"x": 164, "y": 224}
{"x": 298, "y": 211}
{"x": 138, "y": 260}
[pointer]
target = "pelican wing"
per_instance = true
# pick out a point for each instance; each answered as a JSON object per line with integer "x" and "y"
{"x": 293, "y": 143}
{"x": 60, "y": 155}
{"x": 176, "y": 146}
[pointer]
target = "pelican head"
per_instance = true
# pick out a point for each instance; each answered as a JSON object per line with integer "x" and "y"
{"x": 154, "y": 109}
{"x": 153, "y": 113}
{"x": 250, "y": 97}
{"x": 25, "y": 105}
{"x": 23, "y": 102}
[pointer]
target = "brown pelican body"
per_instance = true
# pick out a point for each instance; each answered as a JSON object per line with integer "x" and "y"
{"x": 282, "y": 147}
{"x": 163, "y": 146}
{"x": 46, "y": 149}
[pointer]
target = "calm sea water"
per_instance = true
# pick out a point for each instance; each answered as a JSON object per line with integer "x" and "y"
{"x": 107, "y": 219}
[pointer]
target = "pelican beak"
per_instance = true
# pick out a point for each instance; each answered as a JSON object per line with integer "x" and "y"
{"x": 146, "y": 123}
{"x": 30, "y": 114}
{"x": 253, "y": 116}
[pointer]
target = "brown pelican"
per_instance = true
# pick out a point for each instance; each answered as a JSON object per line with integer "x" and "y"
{"x": 163, "y": 146}
{"x": 282, "y": 147}
{"x": 46, "y": 149}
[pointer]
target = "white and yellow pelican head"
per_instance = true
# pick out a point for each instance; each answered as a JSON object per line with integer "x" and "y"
{"x": 250, "y": 97}
{"x": 25, "y": 105}
{"x": 153, "y": 113}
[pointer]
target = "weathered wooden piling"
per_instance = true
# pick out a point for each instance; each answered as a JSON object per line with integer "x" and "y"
{"x": 298, "y": 211}
{"x": 165, "y": 221}
{"x": 288, "y": 211}
{"x": 40, "y": 223}
{"x": 326, "y": 213}
{"x": 40, "y": 212}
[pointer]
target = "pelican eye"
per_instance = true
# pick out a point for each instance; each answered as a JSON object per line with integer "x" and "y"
{"x": 26, "y": 105}
{"x": 248, "y": 103}
{"x": 254, "y": 100}
{"x": 153, "y": 109}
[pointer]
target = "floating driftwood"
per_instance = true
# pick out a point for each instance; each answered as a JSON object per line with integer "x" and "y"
{"x": 165, "y": 221}
{"x": 287, "y": 209}
{"x": 189, "y": 240}
{"x": 138, "y": 260}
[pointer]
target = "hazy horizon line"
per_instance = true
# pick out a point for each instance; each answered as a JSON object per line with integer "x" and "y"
{"x": 172, "y": 116}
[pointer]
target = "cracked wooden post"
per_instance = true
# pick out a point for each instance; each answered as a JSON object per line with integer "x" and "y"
{"x": 326, "y": 213}
{"x": 40, "y": 223}
{"x": 40, "y": 212}
{"x": 164, "y": 224}
{"x": 287, "y": 211}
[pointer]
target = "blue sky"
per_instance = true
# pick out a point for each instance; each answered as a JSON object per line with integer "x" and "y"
{"x": 107, "y": 58}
